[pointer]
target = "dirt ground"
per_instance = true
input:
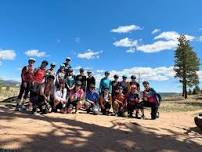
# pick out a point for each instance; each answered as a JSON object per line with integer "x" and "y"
{"x": 173, "y": 132}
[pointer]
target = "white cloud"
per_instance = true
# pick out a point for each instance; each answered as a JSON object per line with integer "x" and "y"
{"x": 171, "y": 35}
{"x": 7, "y": 54}
{"x": 100, "y": 71}
{"x": 35, "y": 53}
{"x": 90, "y": 54}
{"x": 158, "y": 46}
{"x": 163, "y": 41}
{"x": 156, "y": 31}
{"x": 145, "y": 73}
{"x": 126, "y": 42}
{"x": 126, "y": 29}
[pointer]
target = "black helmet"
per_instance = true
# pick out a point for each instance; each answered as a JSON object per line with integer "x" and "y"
{"x": 133, "y": 77}
{"x": 145, "y": 82}
{"x": 81, "y": 70}
{"x": 44, "y": 61}
{"x": 116, "y": 76}
{"x": 50, "y": 77}
{"x": 107, "y": 72}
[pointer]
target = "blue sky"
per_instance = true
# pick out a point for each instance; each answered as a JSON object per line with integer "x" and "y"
{"x": 122, "y": 36}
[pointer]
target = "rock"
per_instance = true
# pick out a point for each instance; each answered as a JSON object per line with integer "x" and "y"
{"x": 198, "y": 121}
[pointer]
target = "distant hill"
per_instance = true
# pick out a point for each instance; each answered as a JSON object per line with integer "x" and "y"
{"x": 9, "y": 83}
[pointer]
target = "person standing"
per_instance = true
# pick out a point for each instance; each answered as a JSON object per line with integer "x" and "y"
{"x": 105, "y": 83}
{"x": 51, "y": 70}
{"x": 134, "y": 82}
{"x": 82, "y": 78}
{"x": 90, "y": 80}
{"x": 115, "y": 85}
{"x": 67, "y": 64}
{"x": 27, "y": 75}
{"x": 124, "y": 85}
{"x": 60, "y": 77}
{"x": 39, "y": 79}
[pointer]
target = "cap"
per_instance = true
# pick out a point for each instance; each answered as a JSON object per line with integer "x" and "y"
{"x": 44, "y": 61}
{"x": 68, "y": 59}
{"x": 32, "y": 59}
{"x": 133, "y": 77}
{"x": 89, "y": 71}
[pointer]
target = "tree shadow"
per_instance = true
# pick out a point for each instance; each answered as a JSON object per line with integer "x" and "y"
{"x": 78, "y": 136}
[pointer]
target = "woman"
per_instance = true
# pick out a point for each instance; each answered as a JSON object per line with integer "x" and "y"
{"x": 60, "y": 97}
{"x": 75, "y": 97}
{"x": 92, "y": 100}
{"x": 60, "y": 77}
{"x": 105, "y": 102}
{"x": 119, "y": 102}
{"x": 151, "y": 99}
{"x": 133, "y": 101}
{"x": 70, "y": 81}
{"x": 44, "y": 97}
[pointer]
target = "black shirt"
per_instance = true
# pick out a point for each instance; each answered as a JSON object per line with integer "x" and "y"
{"x": 90, "y": 80}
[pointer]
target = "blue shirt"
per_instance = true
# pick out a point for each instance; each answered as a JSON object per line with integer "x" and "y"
{"x": 92, "y": 96}
{"x": 105, "y": 83}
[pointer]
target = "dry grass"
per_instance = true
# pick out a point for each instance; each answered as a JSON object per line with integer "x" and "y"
{"x": 178, "y": 104}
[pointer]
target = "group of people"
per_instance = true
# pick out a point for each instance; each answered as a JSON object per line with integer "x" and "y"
{"x": 62, "y": 91}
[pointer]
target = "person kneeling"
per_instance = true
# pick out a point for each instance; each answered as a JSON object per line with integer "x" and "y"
{"x": 92, "y": 100}
{"x": 43, "y": 98}
{"x": 60, "y": 98}
{"x": 151, "y": 99}
{"x": 119, "y": 102}
{"x": 75, "y": 98}
{"x": 133, "y": 101}
{"x": 105, "y": 102}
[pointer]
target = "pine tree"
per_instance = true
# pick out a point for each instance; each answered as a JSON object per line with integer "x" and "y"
{"x": 186, "y": 65}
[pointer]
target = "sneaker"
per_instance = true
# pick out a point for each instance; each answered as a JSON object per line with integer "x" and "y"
{"x": 36, "y": 113}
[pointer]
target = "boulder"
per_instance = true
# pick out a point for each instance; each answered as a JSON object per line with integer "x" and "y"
{"x": 198, "y": 121}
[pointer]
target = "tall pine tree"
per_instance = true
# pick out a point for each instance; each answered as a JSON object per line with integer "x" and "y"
{"x": 186, "y": 65}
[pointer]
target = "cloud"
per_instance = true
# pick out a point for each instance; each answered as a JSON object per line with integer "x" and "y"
{"x": 126, "y": 42}
{"x": 7, "y": 54}
{"x": 35, "y": 53}
{"x": 171, "y": 35}
{"x": 126, "y": 29}
{"x": 90, "y": 54}
{"x": 163, "y": 41}
{"x": 146, "y": 73}
{"x": 158, "y": 46}
{"x": 156, "y": 31}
